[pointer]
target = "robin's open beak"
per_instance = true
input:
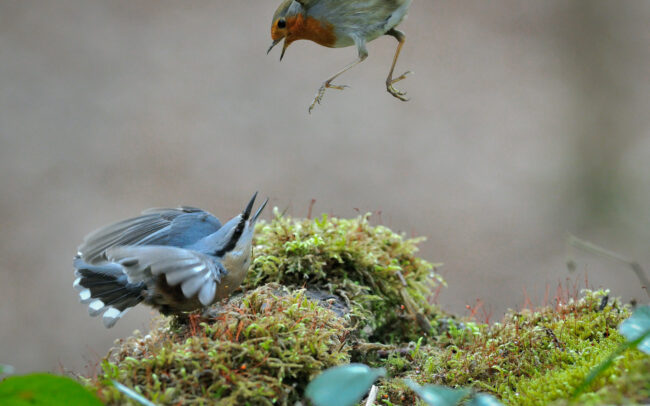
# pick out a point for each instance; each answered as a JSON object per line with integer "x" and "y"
{"x": 284, "y": 47}
{"x": 274, "y": 43}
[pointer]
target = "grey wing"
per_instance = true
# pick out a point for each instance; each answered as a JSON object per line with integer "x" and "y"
{"x": 196, "y": 273}
{"x": 353, "y": 15}
{"x": 153, "y": 226}
{"x": 307, "y": 3}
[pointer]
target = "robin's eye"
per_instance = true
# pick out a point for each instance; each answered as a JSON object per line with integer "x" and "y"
{"x": 282, "y": 23}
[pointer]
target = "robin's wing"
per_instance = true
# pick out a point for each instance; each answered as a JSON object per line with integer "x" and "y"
{"x": 368, "y": 18}
{"x": 196, "y": 273}
{"x": 307, "y": 3}
{"x": 182, "y": 226}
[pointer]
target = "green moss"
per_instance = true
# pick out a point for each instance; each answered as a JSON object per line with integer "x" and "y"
{"x": 264, "y": 346}
{"x": 262, "y": 349}
{"x": 628, "y": 383}
{"x": 388, "y": 288}
{"x": 535, "y": 357}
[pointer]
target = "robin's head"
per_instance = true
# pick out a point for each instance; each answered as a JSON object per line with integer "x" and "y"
{"x": 292, "y": 21}
{"x": 283, "y": 21}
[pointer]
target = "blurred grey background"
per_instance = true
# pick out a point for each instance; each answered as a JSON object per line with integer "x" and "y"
{"x": 528, "y": 120}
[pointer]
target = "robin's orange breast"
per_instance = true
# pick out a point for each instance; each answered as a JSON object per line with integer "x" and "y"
{"x": 301, "y": 27}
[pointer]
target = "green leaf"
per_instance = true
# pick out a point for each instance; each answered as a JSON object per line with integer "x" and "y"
{"x": 133, "y": 394}
{"x": 481, "y": 399}
{"x": 342, "y": 386}
{"x": 44, "y": 389}
{"x": 436, "y": 395}
{"x": 636, "y": 326}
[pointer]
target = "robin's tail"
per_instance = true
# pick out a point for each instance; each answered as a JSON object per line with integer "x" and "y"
{"x": 106, "y": 289}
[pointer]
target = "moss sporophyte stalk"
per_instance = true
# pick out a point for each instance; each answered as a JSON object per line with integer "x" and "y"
{"x": 331, "y": 291}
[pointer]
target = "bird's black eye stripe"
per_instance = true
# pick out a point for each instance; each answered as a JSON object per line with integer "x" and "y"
{"x": 230, "y": 245}
{"x": 282, "y": 23}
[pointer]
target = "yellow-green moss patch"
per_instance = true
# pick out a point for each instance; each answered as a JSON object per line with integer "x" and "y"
{"x": 533, "y": 357}
{"x": 388, "y": 287}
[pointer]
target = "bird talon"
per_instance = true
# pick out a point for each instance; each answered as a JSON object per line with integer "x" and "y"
{"x": 321, "y": 93}
{"x": 338, "y": 87}
{"x": 319, "y": 96}
{"x": 395, "y": 92}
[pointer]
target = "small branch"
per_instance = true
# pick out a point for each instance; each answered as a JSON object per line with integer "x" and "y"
{"x": 372, "y": 396}
{"x": 311, "y": 206}
{"x": 597, "y": 250}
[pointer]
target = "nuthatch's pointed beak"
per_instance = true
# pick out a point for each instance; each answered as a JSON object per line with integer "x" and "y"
{"x": 259, "y": 211}
{"x": 274, "y": 43}
{"x": 249, "y": 207}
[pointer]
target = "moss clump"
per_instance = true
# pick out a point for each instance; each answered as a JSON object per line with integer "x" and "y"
{"x": 336, "y": 290}
{"x": 533, "y": 357}
{"x": 263, "y": 348}
{"x": 375, "y": 270}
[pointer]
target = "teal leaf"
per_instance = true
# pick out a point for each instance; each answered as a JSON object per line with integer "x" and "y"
{"x": 637, "y": 326}
{"x": 6, "y": 369}
{"x": 481, "y": 399}
{"x": 436, "y": 395}
{"x": 44, "y": 389}
{"x": 133, "y": 394}
{"x": 342, "y": 386}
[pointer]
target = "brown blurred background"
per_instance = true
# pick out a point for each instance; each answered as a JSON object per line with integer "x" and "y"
{"x": 528, "y": 120}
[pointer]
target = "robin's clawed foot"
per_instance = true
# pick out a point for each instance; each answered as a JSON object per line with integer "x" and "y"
{"x": 321, "y": 93}
{"x": 395, "y": 92}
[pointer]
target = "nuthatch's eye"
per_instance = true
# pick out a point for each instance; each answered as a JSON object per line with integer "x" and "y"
{"x": 282, "y": 23}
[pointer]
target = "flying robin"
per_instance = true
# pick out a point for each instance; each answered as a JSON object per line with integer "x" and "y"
{"x": 341, "y": 23}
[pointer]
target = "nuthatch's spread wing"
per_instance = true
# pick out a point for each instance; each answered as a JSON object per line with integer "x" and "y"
{"x": 179, "y": 227}
{"x": 196, "y": 273}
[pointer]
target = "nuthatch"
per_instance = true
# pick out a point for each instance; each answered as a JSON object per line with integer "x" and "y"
{"x": 341, "y": 23}
{"x": 175, "y": 260}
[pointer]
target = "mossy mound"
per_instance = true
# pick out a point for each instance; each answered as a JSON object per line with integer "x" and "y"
{"x": 329, "y": 291}
{"x": 387, "y": 287}
{"x": 263, "y": 348}
{"x": 531, "y": 357}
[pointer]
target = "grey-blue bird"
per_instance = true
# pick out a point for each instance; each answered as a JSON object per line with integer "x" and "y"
{"x": 175, "y": 260}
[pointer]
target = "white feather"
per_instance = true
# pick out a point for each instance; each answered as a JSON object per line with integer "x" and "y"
{"x": 192, "y": 285}
{"x": 111, "y": 316}
{"x": 95, "y": 307}
{"x": 178, "y": 276}
{"x": 206, "y": 295}
{"x": 84, "y": 296}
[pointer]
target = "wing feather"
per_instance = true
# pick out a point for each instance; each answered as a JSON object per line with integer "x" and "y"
{"x": 191, "y": 269}
{"x": 176, "y": 227}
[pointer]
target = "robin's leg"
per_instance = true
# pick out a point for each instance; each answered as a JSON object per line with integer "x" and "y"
{"x": 363, "y": 54}
{"x": 400, "y": 37}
